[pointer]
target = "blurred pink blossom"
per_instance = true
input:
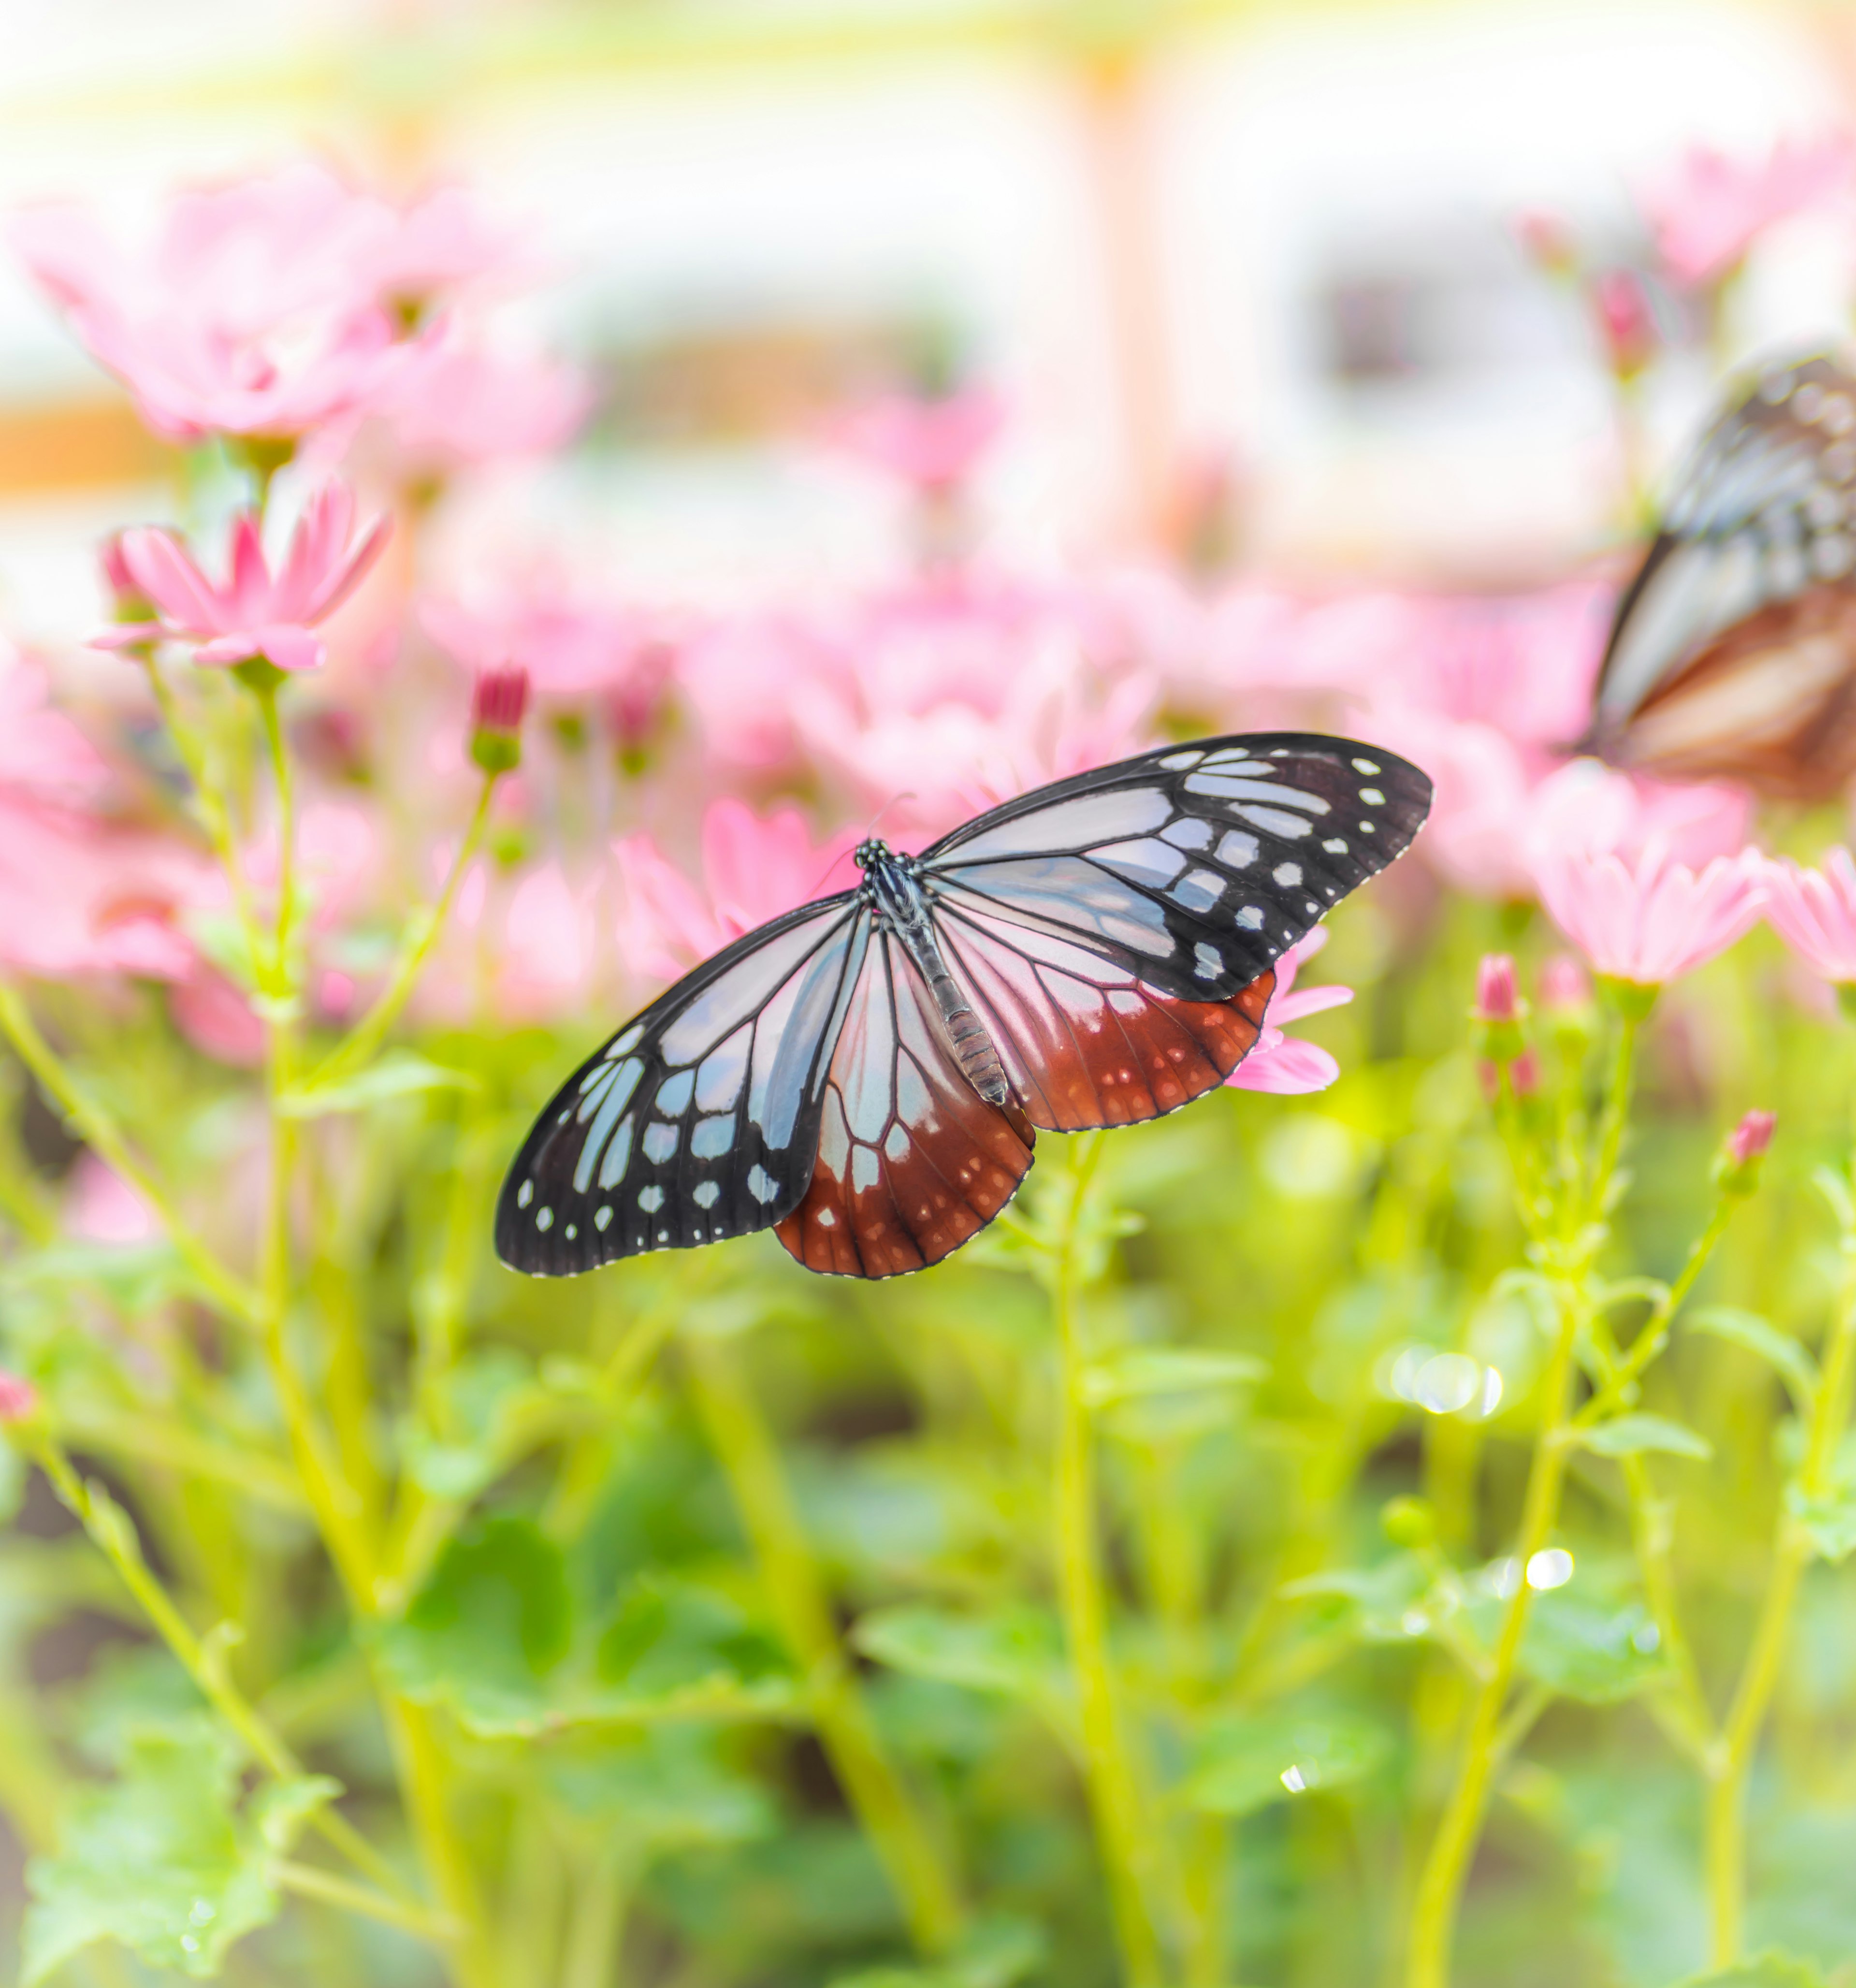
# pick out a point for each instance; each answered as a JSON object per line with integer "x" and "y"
{"x": 1708, "y": 212}
{"x": 1649, "y": 918}
{"x": 215, "y": 1016}
{"x": 452, "y": 405}
{"x": 270, "y": 307}
{"x": 1626, "y": 323}
{"x": 1751, "y": 1138}
{"x": 1562, "y": 984}
{"x": 78, "y": 896}
{"x": 1284, "y": 1064}
{"x": 254, "y": 611}
{"x": 1814, "y": 912}
{"x": 19, "y": 1399}
{"x": 1590, "y": 807}
{"x": 932, "y": 443}
{"x": 575, "y": 645}
{"x": 100, "y": 1206}
{"x": 754, "y": 867}
{"x": 43, "y": 754}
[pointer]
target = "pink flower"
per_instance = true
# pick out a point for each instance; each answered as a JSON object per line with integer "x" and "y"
{"x": 1651, "y": 919}
{"x": 1587, "y": 806}
{"x": 1709, "y": 212}
{"x": 19, "y": 1399}
{"x": 753, "y": 868}
{"x": 933, "y": 444}
{"x": 254, "y": 611}
{"x": 451, "y": 406}
{"x": 1281, "y": 1064}
{"x": 78, "y": 897}
{"x": 1563, "y": 986}
{"x": 1497, "y": 999}
{"x": 100, "y": 1206}
{"x": 43, "y": 754}
{"x": 575, "y": 645}
{"x": 1625, "y": 320}
{"x": 1814, "y": 912}
{"x": 271, "y": 308}
{"x": 216, "y": 1018}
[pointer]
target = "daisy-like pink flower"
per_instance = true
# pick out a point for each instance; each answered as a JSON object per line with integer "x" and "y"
{"x": 1648, "y": 918}
{"x": 1814, "y": 912}
{"x": 1284, "y": 1064}
{"x": 754, "y": 867}
{"x": 254, "y": 610}
{"x": 1709, "y": 212}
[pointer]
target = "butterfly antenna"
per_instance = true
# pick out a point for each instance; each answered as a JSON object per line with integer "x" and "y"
{"x": 870, "y": 828}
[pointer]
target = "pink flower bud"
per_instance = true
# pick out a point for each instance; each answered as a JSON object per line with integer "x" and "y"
{"x": 1524, "y": 1074}
{"x": 497, "y": 704}
{"x": 19, "y": 1399}
{"x": 1497, "y": 1000}
{"x": 1564, "y": 985}
{"x": 1625, "y": 319}
{"x": 1547, "y": 237}
{"x": 1750, "y": 1139}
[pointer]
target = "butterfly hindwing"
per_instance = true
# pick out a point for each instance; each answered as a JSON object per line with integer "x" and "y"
{"x": 1192, "y": 868}
{"x": 1733, "y": 653}
{"x": 911, "y": 1161}
{"x": 1085, "y": 1043}
{"x": 698, "y": 1120}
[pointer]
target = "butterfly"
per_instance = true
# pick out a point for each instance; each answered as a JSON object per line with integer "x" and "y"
{"x": 866, "y": 1075}
{"x": 1732, "y": 654}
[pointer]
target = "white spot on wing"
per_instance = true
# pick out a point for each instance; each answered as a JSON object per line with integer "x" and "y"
{"x": 762, "y": 1185}
{"x": 1176, "y": 763}
{"x": 601, "y": 1221}
{"x": 1372, "y": 796}
{"x": 524, "y": 1194}
{"x": 544, "y": 1219}
{"x": 651, "y": 1198}
{"x": 1199, "y": 890}
{"x": 1275, "y": 821}
{"x": 1237, "y": 849}
{"x": 712, "y": 1137}
{"x": 1207, "y": 964}
{"x": 673, "y": 1093}
{"x": 1189, "y": 833}
{"x": 1365, "y": 766}
{"x": 706, "y": 1194}
{"x": 660, "y": 1141}
{"x": 1335, "y": 845}
{"x": 1251, "y": 918}
{"x": 1287, "y": 874}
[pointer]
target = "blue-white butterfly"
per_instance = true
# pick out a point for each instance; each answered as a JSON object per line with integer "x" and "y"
{"x": 865, "y": 1073}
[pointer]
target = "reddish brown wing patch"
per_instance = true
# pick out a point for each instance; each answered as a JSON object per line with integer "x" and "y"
{"x": 1084, "y": 1043}
{"x": 912, "y": 1161}
{"x": 1772, "y": 703}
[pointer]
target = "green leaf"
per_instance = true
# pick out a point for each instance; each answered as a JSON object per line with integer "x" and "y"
{"x": 1835, "y": 1189}
{"x": 1246, "y": 1761}
{"x": 398, "y": 1073}
{"x": 1771, "y": 1969}
{"x": 1795, "y": 1366}
{"x": 1632, "y": 1435}
{"x": 1381, "y": 1604}
{"x": 487, "y": 1628}
{"x": 1589, "y": 1651}
{"x": 663, "y": 1787}
{"x": 160, "y": 1860}
{"x": 1138, "y": 1372}
{"x": 1016, "y": 1653}
{"x": 1829, "y": 1519}
{"x": 672, "y": 1637}
{"x": 996, "y": 1953}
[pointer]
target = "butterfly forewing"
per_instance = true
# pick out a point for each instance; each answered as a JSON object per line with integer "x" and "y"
{"x": 1192, "y": 868}
{"x": 912, "y": 1161}
{"x": 699, "y": 1119}
{"x": 1733, "y": 651}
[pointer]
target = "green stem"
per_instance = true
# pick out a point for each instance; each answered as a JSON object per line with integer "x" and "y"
{"x": 1440, "y": 1887}
{"x": 796, "y": 1591}
{"x": 1633, "y": 1009}
{"x": 422, "y": 934}
{"x": 598, "y": 1919}
{"x": 309, "y": 1882}
{"x": 110, "y": 1529}
{"x": 1123, "y": 1830}
{"x": 279, "y": 975}
{"x": 99, "y": 1131}
{"x": 425, "y": 1775}
{"x": 1739, "y": 1738}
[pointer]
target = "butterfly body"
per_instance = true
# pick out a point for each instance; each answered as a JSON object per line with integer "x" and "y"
{"x": 864, "y": 1074}
{"x": 1732, "y": 654}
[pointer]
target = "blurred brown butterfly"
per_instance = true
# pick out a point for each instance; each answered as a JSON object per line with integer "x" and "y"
{"x": 1732, "y": 655}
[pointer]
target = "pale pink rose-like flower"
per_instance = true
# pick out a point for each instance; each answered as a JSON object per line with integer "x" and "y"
{"x": 1711, "y": 209}
{"x": 100, "y": 1206}
{"x": 451, "y": 406}
{"x": 754, "y": 867}
{"x": 1648, "y": 919}
{"x": 932, "y": 443}
{"x": 1283, "y": 1064}
{"x": 1814, "y": 912}
{"x": 254, "y": 610}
